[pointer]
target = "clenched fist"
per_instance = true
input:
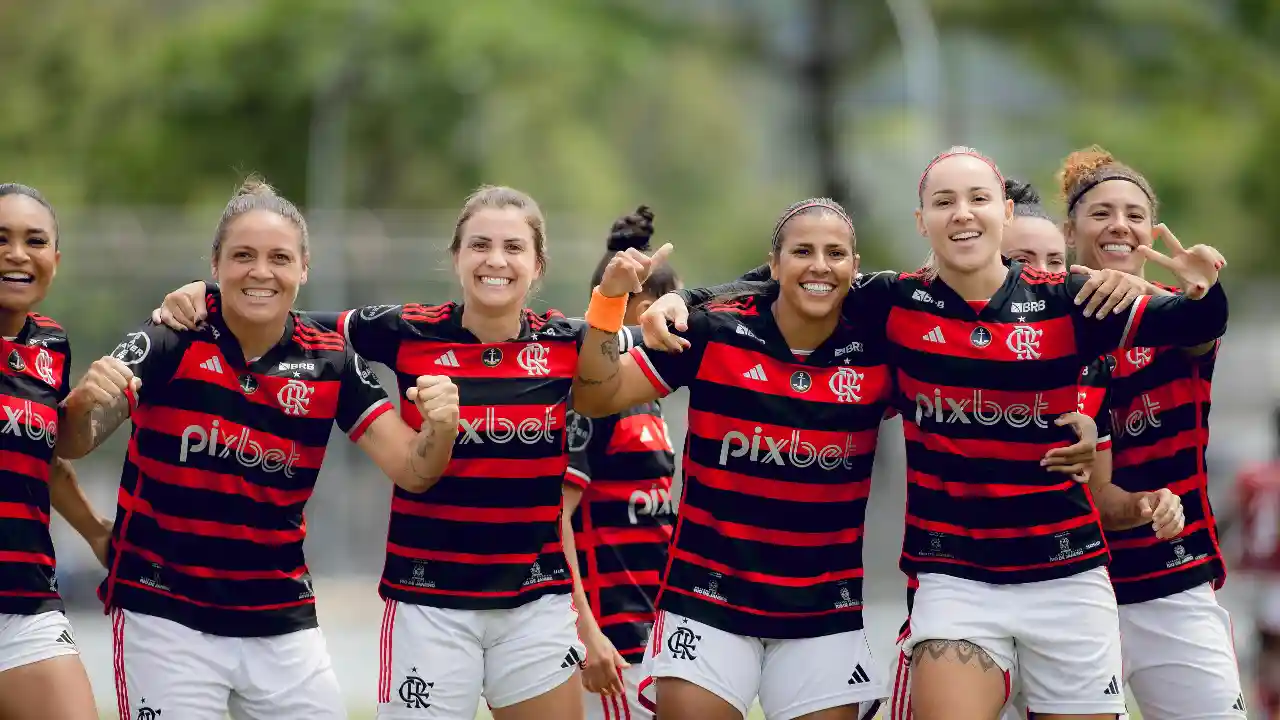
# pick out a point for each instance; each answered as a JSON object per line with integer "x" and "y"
{"x": 105, "y": 383}
{"x": 437, "y": 399}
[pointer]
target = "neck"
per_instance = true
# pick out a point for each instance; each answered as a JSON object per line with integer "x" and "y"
{"x": 802, "y": 333}
{"x": 11, "y": 322}
{"x": 979, "y": 284}
{"x": 255, "y": 338}
{"x": 490, "y": 327}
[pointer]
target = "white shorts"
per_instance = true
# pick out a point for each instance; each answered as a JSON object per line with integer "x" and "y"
{"x": 28, "y": 639}
{"x": 791, "y": 677}
{"x": 1063, "y": 635}
{"x": 445, "y": 659}
{"x": 624, "y": 707}
{"x": 164, "y": 669}
{"x": 1179, "y": 657}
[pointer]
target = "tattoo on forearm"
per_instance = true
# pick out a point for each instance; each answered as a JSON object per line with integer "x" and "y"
{"x": 104, "y": 419}
{"x": 960, "y": 651}
{"x": 609, "y": 349}
{"x": 422, "y": 447}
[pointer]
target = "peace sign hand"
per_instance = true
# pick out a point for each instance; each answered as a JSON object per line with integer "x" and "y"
{"x": 628, "y": 270}
{"x": 1195, "y": 267}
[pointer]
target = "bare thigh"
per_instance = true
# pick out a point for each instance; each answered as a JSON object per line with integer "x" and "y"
{"x": 680, "y": 699}
{"x": 955, "y": 680}
{"x": 53, "y": 688}
{"x": 563, "y": 701}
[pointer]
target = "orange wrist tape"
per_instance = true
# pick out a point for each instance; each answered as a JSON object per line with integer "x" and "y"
{"x": 606, "y": 313}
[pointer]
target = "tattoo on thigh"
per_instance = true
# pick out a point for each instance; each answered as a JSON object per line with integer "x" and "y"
{"x": 961, "y": 651}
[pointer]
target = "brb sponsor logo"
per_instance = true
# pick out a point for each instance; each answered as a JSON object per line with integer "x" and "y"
{"x": 655, "y": 503}
{"x": 493, "y": 429}
{"x": 22, "y": 421}
{"x": 240, "y": 446}
{"x": 977, "y": 409}
{"x": 792, "y": 450}
{"x": 1138, "y": 418}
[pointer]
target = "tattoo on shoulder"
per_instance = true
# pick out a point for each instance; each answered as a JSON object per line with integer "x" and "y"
{"x": 104, "y": 419}
{"x": 958, "y": 651}
{"x": 609, "y": 349}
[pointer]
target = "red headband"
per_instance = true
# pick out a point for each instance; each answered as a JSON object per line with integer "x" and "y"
{"x": 971, "y": 153}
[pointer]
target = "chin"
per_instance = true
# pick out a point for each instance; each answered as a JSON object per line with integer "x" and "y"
{"x": 495, "y": 298}
{"x": 259, "y": 313}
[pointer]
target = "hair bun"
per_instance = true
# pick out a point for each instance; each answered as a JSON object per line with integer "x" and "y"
{"x": 632, "y": 231}
{"x": 1021, "y": 193}
{"x": 255, "y": 185}
{"x": 1080, "y": 165}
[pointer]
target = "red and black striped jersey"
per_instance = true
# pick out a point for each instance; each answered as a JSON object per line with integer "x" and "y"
{"x": 1094, "y": 397}
{"x": 624, "y": 464}
{"x": 1160, "y": 415}
{"x": 777, "y": 470}
{"x": 223, "y": 456}
{"x": 487, "y": 535}
{"x": 36, "y": 378}
{"x": 979, "y": 389}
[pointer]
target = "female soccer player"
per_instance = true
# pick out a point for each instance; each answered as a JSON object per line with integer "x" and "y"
{"x": 476, "y": 585}
{"x": 212, "y": 604}
{"x": 1178, "y": 652}
{"x": 984, "y": 352}
{"x": 41, "y": 675}
{"x": 619, "y": 484}
{"x": 763, "y": 592}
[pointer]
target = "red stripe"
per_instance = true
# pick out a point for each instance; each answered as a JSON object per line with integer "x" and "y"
{"x": 24, "y": 464}
{"x": 458, "y": 557}
{"x": 31, "y": 357}
{"x": 828, "y": 444}
{"x": 112, "y": 572}
{"x": 650, "y": 372}
{"x": 21, "y": 511}
{"x": 243, "y": 608}
{"x": 418, "y": 357}
{"x": 624, "y": 536}
{"x": 322, "y": 398}
{"x": 210, "y": 528}
{"x": 809, "y": 492}
{"x": 770, "y": 536}
{"x": 1006, "y": 568}
{"x": 728, "y": 365}
{"x": 475, "y": 594}
{"x": 231, "y": 436}
{"x": 982, "y": 490}
{"x": 626, "y": 619}
{"x": 1135, "y": 321}
{"x": 212, "y": 573}
{"x": 30, "y": 558}
{"x": 1164, "y": 572}
{"x": 121, "y": 678}
{"x": 379, "y": 408}
{"x": 910, "y": 328}
{"x": 226, "y": 484}
{"x": 504, "y": 469}
{"x": 999, "y": 533}
{"x": 458, "y": 513}
{"x": 766, "y": 578}
{"x": 626, "y": 578}
{"x": 978, "y": 448}
{"x": 604, "y": 704}
{"x": 1164, "y": 448}
{"x": 28, "y": 594}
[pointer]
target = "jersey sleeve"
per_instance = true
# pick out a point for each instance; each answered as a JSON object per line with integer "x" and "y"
{"x": 64, "y": 389}
{"x": 373, "y": 331}
{"x": 361, "y": 397}
{"x": 580, "y": 434}
{"x": 628, "y": 336}
{"x": 152, "y": 354}
{"x": 1095, "y": 397}
{"x": 329, "y": 320}
{"x": 1152, "y": 321}
{"x": 668, "y": 372}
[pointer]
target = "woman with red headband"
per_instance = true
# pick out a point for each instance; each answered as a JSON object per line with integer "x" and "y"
{"x": 986, "y": 355}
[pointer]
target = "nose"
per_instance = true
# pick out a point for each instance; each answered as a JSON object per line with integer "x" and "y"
{"x": 15, "y": 251}
{"x": 260, "y": 270}
{"x": 963, "y": 212}
{"x": 820, "y": 264}
{"x": 495, "y": 258}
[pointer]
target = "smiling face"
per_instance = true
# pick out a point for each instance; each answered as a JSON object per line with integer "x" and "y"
{"x": 28, "y": 252}
{"x": 260, "y": 266}
{"x": 814, "y": 264}
{"x": 497, "y": 258}
{"x": 1109, "y": 223}
{"x": 963, "y": 213}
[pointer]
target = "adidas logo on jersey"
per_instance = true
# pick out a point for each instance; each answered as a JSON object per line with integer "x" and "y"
{"x": 571, "y": 658}
{"x": 859, "y": 676}
{"x": 755, "y": 373}
{"x": 213, "y": 365}
{"x": 935, "y": 335}
{"x": 1113, "y": 687}
{"x": 447, "y": 360}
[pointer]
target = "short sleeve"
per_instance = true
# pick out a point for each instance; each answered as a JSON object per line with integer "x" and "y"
{"x": 579, "y": 433}
{"x": 668, "y": 372}
{"x": 373, "y": 331}
{"x": 361, "y": 398}
{"x": 152, "y": 353}
{"x": 1152, "y": 321}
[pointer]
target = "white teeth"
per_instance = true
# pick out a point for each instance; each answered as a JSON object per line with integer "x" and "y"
{"x": 495, "y": 281}
{"x": 1117, "y": 248}
{"x": 260, "y": 293}
{"x": 19, "y": 276}
{"x": 966, "y": 235}
{"x": 818, "y": 287}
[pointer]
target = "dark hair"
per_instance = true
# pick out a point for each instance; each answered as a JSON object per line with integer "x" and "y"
{"x": 1026, "y": 201}
{"x": 950, "y": 152}
{"x": 255, "y": 194}
{"x": 1087, "y": 168}
{"x": 812, "y": 206}
{"x": 498, "y": 197}
{"x": 635, "y": 231}
{"x": 34, "y": 194}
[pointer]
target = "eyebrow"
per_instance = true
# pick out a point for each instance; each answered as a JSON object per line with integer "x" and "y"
{"x": 974, "y": 188}
{"x": 30, "y": 231}
{"x": 1109, "y": 204}
{"x": 486, "y": 238}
